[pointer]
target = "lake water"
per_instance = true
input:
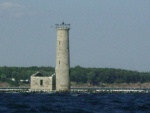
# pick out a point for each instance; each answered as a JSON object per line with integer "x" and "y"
{"x": 74, "y": 103}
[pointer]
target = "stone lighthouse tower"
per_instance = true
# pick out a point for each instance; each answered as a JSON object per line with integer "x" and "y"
{"x": 62, "y": 57}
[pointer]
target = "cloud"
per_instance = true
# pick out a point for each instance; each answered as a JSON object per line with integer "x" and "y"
{"x": 11, "y": 9}
{"x": 9, "y": 6}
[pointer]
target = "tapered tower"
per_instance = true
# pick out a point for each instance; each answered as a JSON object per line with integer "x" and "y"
{"x": 62, "y": 57}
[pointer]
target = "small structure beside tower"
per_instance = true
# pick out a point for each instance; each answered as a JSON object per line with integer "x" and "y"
{"x": 40, "y": 82}
{"x": 60, "y": 81}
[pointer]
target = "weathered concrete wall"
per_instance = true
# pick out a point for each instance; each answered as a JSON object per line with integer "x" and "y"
{"x": 62, "y": 59}
{"x": 47, "y": 83}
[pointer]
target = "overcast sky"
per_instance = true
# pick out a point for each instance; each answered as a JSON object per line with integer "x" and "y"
{"x": 104, "y": 33}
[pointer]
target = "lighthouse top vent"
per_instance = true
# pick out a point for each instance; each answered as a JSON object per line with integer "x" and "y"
{"x": 62, "y": 26}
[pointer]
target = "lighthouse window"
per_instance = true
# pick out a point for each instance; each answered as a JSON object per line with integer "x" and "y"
{"x": 41, "y": 82}
{"x": 59, "y": 63}
{"x": 59, "y": 42}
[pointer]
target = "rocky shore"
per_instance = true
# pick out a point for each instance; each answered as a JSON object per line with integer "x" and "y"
{"x": 104, "y": 85}
{"x": 114, "y": 85}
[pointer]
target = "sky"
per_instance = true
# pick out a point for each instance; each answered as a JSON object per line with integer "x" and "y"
{"x": 103, "y": 34}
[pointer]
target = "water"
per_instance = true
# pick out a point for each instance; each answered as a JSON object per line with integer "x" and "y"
{"x": 74, "y": 103}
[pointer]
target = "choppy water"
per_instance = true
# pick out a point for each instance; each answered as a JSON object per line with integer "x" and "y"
{"x": 74, "y": 103}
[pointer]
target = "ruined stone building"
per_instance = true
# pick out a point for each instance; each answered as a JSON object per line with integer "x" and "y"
{"x": 40, "y": 82}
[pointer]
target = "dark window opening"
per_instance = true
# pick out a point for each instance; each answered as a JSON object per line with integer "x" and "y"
{"x": 41, "y": 82}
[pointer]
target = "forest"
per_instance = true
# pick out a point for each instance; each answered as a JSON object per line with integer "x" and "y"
{"x": 78, "y": 74}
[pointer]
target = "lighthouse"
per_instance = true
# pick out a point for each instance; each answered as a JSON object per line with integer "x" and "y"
{"x": 62, "y": 69}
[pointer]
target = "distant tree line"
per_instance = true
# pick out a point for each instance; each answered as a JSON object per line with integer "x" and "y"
{"x": 96, "y": 76}
{"x": 93, "y": 76}
{"x": 14, "y": 75}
